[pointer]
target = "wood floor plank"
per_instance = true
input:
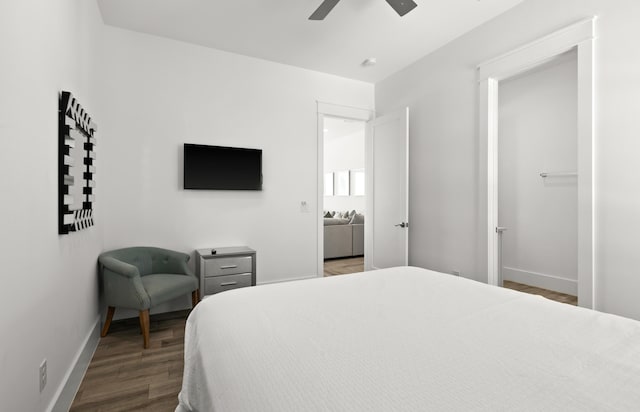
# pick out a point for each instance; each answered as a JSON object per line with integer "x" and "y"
{"x": 142, "y": 371}
{"x": 141, "y": 404}
{"x": 549, "y": 294}
{"x": 166, "y": 403}
{"x": 165, "y": 388}
{"x": 344, "y": 266}
{"x": 116, "y": 358}
{"x": 110, "y": 395}
{"x": 103, "y": 370}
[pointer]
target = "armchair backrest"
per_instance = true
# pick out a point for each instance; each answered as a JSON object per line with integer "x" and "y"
{"x": 150, "y": 260}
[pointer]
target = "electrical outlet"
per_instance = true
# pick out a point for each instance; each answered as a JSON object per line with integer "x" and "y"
{"x": 456, "y": 273}
{"x": 43, "y": 375}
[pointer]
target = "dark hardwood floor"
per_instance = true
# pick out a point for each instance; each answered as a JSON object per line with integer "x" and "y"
{"x": 122, "y": 376}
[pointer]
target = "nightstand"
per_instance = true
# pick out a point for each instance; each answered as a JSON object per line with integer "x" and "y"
{"x": 229, "y": 268}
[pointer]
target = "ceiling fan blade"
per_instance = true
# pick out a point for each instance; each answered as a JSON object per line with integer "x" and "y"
{"x": 402, "y": 7}
{"x": 324, "y": 9}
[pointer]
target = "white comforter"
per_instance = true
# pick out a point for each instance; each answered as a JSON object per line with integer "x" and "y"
{"x": 405, "y": 339}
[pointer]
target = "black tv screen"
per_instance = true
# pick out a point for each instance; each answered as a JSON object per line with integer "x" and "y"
{"x": 222, "y": 168}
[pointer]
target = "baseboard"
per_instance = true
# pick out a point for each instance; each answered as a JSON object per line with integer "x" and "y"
{"x": 541, "y": 280}
{"x": 69, "y": 387}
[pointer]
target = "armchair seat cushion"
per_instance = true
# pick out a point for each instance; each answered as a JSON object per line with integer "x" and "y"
{"x": 164, "y": 287}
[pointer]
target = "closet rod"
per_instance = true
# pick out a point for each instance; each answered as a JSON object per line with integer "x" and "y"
{"x": 558, "y": 174}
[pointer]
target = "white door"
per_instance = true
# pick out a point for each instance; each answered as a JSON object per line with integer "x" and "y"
{"x": 387, "y": 165}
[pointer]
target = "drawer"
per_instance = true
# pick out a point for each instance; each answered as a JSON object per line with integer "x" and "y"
{"x": 216, "y": 284}
{"x": 227, "y": 266}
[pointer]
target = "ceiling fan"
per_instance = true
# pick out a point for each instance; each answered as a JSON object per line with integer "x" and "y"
{"x": 401, "y": 7}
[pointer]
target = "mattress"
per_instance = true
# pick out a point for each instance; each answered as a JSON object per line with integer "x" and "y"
{"x": 404, "y": 339}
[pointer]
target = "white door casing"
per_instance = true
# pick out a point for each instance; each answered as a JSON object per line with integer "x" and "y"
{"x": 580, "y": 37}
{"x": 387, "y": 188}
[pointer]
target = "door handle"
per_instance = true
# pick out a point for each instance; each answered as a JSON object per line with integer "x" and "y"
{"x": 402, "y": 224}
{"x": 500, "y": 229}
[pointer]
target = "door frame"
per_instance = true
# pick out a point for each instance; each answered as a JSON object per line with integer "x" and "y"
{"x": 580, "y": 37}
{"x": 343, "y": 112}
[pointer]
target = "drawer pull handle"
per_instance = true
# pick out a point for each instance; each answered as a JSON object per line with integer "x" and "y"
{"x": 228, "y": 283}
{"x": 229, "y": 267}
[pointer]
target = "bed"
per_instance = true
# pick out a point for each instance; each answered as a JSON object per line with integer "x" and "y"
{"x": 404, "y": 339}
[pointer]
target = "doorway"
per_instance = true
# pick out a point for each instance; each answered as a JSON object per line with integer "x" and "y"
{"x": 492, "y": 75}
{"x": 344, "y": 197}
{"x": 385, "y": 178}
{"x": 537, "y": 178}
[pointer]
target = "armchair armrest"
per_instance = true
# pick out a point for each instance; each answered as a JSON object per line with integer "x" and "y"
{"x": 119, "y": 267}
{"x": 122, "y": 284}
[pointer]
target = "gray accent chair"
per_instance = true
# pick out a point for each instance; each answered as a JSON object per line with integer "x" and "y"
{"x": 142, "y": 277}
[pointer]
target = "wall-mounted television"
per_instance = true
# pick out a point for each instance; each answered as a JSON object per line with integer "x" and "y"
{"x": 222, "y": 168}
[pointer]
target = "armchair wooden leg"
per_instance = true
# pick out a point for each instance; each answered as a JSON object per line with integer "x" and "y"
{"x": 107, "y": 322}
{"x": 144, "y": 324}
{"x": 195, "y": 298}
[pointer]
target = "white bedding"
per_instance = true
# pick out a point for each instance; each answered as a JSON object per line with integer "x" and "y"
{"x": 404, "y": 339}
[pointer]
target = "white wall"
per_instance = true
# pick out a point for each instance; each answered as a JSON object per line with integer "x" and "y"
{"x": 442, "y": 92}
{"x": 538, "y": 133}
{"x": 48, "y": 287}
{"x": 340, "y": 154}
{"x": 158, "y": 94}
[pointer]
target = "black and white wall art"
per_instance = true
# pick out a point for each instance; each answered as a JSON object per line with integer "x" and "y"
{"x": 76, "y": 165}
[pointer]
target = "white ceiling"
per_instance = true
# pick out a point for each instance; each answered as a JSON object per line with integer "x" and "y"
{"x": 278, "y": 30}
